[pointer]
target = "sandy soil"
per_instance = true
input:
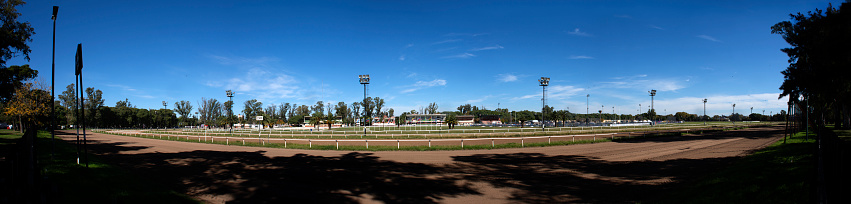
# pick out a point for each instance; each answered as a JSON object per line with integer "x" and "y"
{"x": 625, "y": 171}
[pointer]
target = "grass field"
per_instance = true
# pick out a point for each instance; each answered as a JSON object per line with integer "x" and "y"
{"x": 69, "y": 182}
{"x": 780, "y": 173}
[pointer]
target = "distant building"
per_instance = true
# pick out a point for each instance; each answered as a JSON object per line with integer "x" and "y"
{"x": 490, "y": 119}
{"x": 465, "y": 119}
{"x": 425, "y": 118}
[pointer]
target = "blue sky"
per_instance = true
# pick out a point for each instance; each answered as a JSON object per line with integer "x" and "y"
{"x": 486, "y": 53}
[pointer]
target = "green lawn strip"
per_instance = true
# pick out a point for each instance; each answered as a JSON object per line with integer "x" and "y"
{"x": 779, "y": 173}
{"x": 843, "y": 134}
{"x": 101, "y": 182}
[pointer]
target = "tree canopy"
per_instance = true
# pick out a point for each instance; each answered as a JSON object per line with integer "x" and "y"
{"x": 819, "y": 60}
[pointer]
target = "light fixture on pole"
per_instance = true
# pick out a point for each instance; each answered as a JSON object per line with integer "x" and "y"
{"x": 52, "y": 81}
{"x": 364, "y": 79}
{"x": 230, "y": 111}
{"x": 544, "y": 82}
{"x": 734, "y": 113}
{"x": 652, "y": 94}
{"x": 165, "y": 106}
{"x": 704, "y": 111}
{"x": 586, "y": 106}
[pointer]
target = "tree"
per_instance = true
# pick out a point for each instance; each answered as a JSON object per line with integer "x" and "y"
{"x": 432, "y": 108}
{"x": 184, "y": 108}
{"x": 15, "y": 34}
{"x": 451, "y": 120}
{"x": 818, "y": 61}
{"x": 368, "y": 109}
{"x": 209, "y": 111}
{"x": 30, "y": 105}
{"x": 12, "y": 78}
{"x": 465, "y": 109}
{"x": 285, "y": 108}
{"x": 252, "y": 108}
{"x": 93, "y": 102}
{"x": 69, "y": 100}
{"x": 379, "y": 104}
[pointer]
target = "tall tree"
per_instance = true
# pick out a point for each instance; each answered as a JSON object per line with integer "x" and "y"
{"x": 818, "y": 61}
{"x": 432, "y": 108}
{"x": 13, "y": 77}
{"x": 379, "y": 104}
{"x": 252, "y": 108}
{"x": 69, "y": 100}
{"x": 183, "y": 108}
{"x": 93, "y": 102}
{"x": 368, "y": 110}
{"x": 30, "y": 105}
{"x": 16, "y": 34}
{"x": 285, "y": 107}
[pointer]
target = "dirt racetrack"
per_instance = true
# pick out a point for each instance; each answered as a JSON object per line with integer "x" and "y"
{"x": 625, "y": 171}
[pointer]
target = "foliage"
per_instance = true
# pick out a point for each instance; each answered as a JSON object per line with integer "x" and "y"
{"x": 12, "y": 78}
{"x": 30, "y": 105}
{"x": 818, "y": 61}
{"x": 15, "y": 34}
{"x": 451, "y": 120}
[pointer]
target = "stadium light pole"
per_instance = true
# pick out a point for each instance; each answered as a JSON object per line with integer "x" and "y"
{"x": 586, "y": 106}
{"x": 165, "y": 106}
{"x": 52, "y": 89}
{"x": 704, "y": 111}
{"x": 652, "y": 94}
{"x": 364, "y": 79}
{"x": 544, "y": 82}
{"x": 734, "y": 113}
{"x": 230, "y": 112}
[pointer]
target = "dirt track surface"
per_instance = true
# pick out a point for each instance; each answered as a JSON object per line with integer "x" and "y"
{"x": 626, "y": 171}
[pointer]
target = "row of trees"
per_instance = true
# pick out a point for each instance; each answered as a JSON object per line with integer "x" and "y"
{"x": 819, "y": 63}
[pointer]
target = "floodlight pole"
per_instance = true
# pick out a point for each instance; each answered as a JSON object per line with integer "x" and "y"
{"x": 734, "y": 113}
{"x": 52, "y": 88}
{"x": 544, "y": 82}
{"x": 652, "y": 94}
{"x": 230, "y": 112}
{"x": 586, "y": 106}
{"x": 364, "y": 79}
{"x": 704, "y": 111}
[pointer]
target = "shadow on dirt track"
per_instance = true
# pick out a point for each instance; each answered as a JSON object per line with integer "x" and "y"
{"x": 251, "y": 177}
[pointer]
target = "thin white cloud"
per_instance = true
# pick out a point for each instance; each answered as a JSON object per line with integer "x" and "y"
{"x": 576, "y": 32}
{"x": 637, "y": 82}
{"x": 506, "y": 77}
{"x": 466, "y": 34}
{"x": 424, "y": 84}
{"x": 496, "y": 47}
{"x": 446, "y": 41}
{"x": 580, "y": 57}
{"x": 402, "y": 58}
{"x": 242, "y": 60}
{"x": 656, "y": 27}
{"x": 710, "y": 38}
{"x": 460, "y": 56}
{"x": 473, "y": 101}
{"x": 257, "y": 77}
{"x": 409, "y": 45}
{"x": 555, "y": 92}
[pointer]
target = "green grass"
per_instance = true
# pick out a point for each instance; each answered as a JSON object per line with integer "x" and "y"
{"x": 101, "y": 182}
{"x": 775, "y": 174}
